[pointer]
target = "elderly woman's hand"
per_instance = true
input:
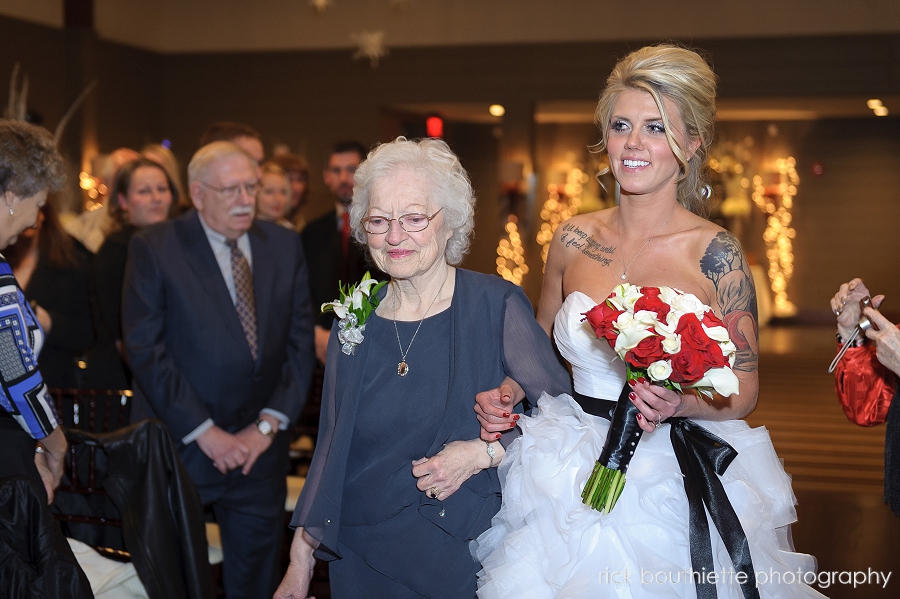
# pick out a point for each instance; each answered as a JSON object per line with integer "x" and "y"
{"x": 442, "y": 474}
{"x": 845, "y": 305}
{"x": 887, "y": 340}
{"x": 494, "y": 409}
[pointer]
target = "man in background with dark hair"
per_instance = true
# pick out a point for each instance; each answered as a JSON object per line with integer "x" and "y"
{"x": 244, "y": 136}
{"x": 333, "y": 255}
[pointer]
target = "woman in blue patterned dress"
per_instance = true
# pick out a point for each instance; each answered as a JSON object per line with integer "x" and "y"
{"x": 32, "y": 443}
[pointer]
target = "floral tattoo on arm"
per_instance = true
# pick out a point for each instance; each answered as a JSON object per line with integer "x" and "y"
{"x": 724, "y": 264}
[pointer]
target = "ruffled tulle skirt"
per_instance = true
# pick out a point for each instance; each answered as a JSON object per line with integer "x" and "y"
{"x": 545, "y": 543}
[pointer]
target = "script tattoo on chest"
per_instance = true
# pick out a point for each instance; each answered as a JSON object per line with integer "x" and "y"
{"x": 573, "y": 237}
{"x": 724, "y": 264}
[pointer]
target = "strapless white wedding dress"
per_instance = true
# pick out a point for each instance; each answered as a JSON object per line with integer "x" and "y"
{"x": 545, "y": 543}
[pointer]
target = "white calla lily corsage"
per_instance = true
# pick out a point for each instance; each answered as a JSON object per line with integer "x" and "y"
{"x": 353, "y": 308}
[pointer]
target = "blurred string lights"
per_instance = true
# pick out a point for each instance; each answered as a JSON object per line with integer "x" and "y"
{"x": 777, "y": 201}
{"x": 510, "y": 253}
{"x": 561, "y": 204}
{"x": 94, "y": 188}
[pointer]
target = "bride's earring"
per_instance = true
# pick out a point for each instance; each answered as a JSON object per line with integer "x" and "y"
{"x": 10, "y": 211}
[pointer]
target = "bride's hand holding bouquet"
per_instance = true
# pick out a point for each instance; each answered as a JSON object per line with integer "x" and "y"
{"x": 670, "y": 340}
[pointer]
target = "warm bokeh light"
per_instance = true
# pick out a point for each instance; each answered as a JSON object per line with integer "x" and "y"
{"x": 777, "y": 201}
{"x": 557, "y": 208}
{"x": 497, "y": 110}
{"x": 873, "y": 103}
{"x": 511, "y": 255}
{"x": 881, "y": 111}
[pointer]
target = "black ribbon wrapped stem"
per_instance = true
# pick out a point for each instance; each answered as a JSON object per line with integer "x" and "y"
{"x": 624, "y": 434}
{"x": 703, "y": 458}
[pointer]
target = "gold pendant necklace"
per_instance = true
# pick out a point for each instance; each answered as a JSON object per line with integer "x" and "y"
{"x": 402, "y": 366}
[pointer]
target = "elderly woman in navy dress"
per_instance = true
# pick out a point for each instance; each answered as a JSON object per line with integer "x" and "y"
{"x": 401, "y": 482}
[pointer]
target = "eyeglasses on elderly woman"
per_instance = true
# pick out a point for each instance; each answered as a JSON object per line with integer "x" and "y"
{"x": 411, "y": 223}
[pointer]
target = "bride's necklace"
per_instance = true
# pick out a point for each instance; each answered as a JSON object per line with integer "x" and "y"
{"x": 402, "y": 366}
{"x": 630, "y": 262}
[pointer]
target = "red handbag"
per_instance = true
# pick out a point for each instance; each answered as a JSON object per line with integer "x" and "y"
{"x": 864, "y": 386}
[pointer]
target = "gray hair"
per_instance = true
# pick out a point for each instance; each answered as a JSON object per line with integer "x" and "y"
{"x": 29, "y": 162}
{"x": 449, "y": 187}
{"x": 210, "y": 153}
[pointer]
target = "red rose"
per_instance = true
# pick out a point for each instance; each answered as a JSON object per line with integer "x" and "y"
{"x": 601, "y": 318}
{"x": 650, "y": 291}
{"x": 711, "y": 320}
{"x": 687, "y": 366}
{"x": 648, "y": 351}
{"x": 694, "y": 337}
{"x": 692, "y": 334}
{"x": 653, "y": 304}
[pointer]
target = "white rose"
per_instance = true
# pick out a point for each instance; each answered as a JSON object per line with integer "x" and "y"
{"x": 646, "y": 317}
{"x": 617, "y": 297}
{"x": 672, "y": 344}
{"x": 688, "y": 303}
{"x": 659, "y": 370}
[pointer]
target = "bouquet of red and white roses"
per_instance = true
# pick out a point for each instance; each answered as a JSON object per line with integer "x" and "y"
{"x": 672, "y": 339}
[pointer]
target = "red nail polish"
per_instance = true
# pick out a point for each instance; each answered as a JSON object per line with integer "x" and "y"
{"x": 640, "y": 416}
{"x": 497, "y": 436}
{"x": 642, "y": 380}
{"x": 506, "y": 414}
{"x": 633, "y": 382}
{"x": 515, "y": 417}
{"x": 512, "y": 424}
{"x": 632, "y": 396}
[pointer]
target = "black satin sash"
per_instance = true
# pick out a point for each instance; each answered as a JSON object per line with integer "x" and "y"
{"x": 703, "y": 458}
{"x": 595, "y": 407}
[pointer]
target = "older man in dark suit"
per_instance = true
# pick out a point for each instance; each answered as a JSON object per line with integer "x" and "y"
{"x": 219, "y": 334}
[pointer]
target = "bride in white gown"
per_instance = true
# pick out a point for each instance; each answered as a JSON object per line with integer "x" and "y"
{"x": 656, "y": 116}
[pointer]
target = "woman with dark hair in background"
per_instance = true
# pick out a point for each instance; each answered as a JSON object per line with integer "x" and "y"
{"x": 53, "y": 269}
{"x": 143, "y": 194}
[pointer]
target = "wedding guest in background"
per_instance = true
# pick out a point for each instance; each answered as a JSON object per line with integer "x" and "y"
{"x": 867, "y": 376}
{"x": 297, "y": 169}
{"x": 400, "y": 483}
{"x": 36, "y": 555}
{"x": 334, "y": 257}
{"x": 163, "y": 156}
{"x": 244, "y": 136}
{"x": 273, "y": 195}
{"x": 53, "y": 270}
{"x": 90, "y": 227}
{"x": 143, "y": 194}
{"x": 218, "y": 332}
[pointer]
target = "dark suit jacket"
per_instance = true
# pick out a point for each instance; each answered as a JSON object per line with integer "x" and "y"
{"x": 184, "y": 340}
{"x": 327, "y": 268}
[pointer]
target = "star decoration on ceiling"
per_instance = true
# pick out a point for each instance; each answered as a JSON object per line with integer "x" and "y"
{"x": 321, "y": 5}
{"x": 370, "y": 44}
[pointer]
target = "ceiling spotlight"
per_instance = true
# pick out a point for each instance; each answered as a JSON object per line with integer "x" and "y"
{"x": 881, "y": 111}
{"x": 497, "y": 110}
{"x": 873, "y": 103}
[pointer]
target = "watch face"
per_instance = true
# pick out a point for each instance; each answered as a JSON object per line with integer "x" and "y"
{"x": 265, "y": 427}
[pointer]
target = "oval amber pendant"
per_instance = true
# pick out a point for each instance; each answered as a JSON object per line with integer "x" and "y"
{"x": 402, "y": 368}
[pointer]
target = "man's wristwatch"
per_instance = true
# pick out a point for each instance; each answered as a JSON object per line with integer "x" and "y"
{"x": 265, "y": 427}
